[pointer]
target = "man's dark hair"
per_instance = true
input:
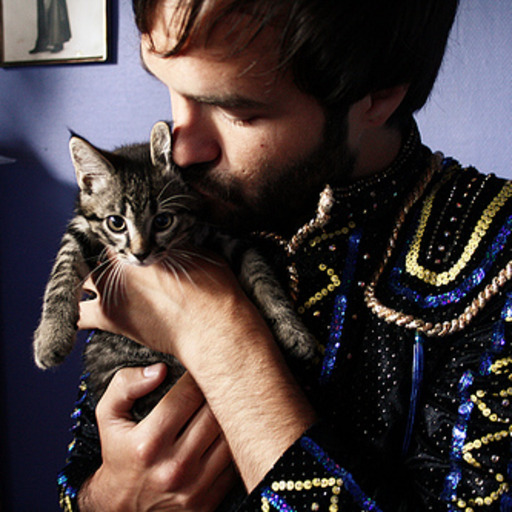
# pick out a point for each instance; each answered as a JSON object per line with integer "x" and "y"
{"x": 338, "y": 50}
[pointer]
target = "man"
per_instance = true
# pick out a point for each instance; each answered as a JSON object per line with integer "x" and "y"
{"x": 400, "y": 269}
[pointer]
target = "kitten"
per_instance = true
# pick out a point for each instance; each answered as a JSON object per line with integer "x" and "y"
{"x": 134, "y": 203}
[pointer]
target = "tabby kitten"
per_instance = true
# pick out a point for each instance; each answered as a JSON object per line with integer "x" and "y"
{"x": 133, "y": 203}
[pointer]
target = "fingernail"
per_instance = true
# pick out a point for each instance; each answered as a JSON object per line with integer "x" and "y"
{"x": 151, "y": 371}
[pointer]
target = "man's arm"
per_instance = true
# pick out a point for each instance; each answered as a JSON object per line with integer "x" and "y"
{"x": 211, "y": 326}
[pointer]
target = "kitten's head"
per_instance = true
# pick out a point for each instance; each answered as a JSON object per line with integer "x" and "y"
{"x": 133, "y": 199}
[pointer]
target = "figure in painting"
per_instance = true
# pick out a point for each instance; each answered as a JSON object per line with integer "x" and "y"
{"x": 53, "y": 28}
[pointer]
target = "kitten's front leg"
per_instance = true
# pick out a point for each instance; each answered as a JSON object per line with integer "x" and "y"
{"x": 259, "y": 282}
{"x": 55, "y": 336}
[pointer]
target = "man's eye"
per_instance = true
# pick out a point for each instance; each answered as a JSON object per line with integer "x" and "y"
{"x": 243, "y": 122}
{"x": 239, "y": 119}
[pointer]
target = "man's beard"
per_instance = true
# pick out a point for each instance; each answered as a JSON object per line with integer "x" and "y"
{"x": 284, "y": 197}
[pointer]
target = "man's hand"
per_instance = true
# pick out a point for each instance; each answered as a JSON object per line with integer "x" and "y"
{"x": 174, "y": 459}
{"x": 207, "y": 321}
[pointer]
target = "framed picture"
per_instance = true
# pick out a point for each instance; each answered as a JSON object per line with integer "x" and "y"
{"x": 53, "y": 31}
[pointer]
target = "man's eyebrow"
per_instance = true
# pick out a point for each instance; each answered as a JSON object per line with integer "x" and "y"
{"x": 228, "y": 101}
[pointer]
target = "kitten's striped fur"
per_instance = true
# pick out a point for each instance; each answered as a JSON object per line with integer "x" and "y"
{"x": 134, "y": 203}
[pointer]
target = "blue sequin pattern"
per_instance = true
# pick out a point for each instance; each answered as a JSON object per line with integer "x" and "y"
{"x": 67, "y": 492}
{"x": 459, "y": 433}
{"x": 467, "y": 406}
{"x": 332, "y": 468}
{"x": 276, "y": 501}
{"x": 460, "y": 292}
{"x": 340, "y": 306}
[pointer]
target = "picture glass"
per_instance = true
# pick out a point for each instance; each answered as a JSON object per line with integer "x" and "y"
{"x": 53, "y": 31}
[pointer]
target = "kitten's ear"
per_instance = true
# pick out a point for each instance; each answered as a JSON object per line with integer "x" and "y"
{"x": 93, "y": 170}
{"x": 160, "y": 144}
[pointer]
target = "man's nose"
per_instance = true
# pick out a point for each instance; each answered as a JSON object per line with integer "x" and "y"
{"x": 195, "y": 140}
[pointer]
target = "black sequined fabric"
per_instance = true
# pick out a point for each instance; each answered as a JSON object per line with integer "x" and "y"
{"x": 406, "y": 289}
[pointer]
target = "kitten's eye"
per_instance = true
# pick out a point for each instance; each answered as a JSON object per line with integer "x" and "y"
{"x": 116, "y": 223}
{"x": 162, "y": 221}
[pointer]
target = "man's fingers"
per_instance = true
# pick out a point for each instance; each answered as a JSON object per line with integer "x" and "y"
{"x": 217, "y": 459}
{"x": 201, "y": 434}
{"x": 175, "y": 409}
{"x": 221, "y": 486}
{"x": 89, "y": 312}
{"x": 217, "y": 471}
{"x": 90, "y": 287}
{"x": 126, "y": 387}
{"x": 178, "y": 449}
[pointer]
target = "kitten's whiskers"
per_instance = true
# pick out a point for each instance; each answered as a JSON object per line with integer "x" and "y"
{"x": 169, "y": 264}
{"x": 99, "y": 267}
{"x": 174, "y": 199}
{"x": 191, "y": 254}
{"x": 115, "y": 284}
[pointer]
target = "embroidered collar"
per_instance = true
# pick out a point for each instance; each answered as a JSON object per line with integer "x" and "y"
{"x": 365, "y": 196}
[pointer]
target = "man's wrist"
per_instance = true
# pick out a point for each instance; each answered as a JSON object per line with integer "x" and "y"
{"x": 256, "y": 400}
{"x": 92, "y": 499}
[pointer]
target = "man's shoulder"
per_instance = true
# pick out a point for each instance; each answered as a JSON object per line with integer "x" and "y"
{"x": 452, "y": 258}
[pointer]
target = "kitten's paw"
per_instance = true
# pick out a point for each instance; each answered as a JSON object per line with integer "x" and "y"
{"x": 52, "y": 345}
{"x": 297, "y": 341}
{"x": 304, "y": 346}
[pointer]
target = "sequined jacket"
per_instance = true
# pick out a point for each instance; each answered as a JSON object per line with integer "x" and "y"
{"x": 407, "y": 290}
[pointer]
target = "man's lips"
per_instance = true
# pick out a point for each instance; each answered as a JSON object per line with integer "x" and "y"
{"x": 204, "y": 194}
{"x": 215, "y": 206}
{"x": 209, "y": 194}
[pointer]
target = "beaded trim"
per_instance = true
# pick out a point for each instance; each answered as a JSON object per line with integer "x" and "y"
{"x": 467, "y": 285}
{"x": 439, "y": 279}
{"x": 321, "y": 218}
{"x": 396, "y": 167}
{"x": 460, "y": 448}
{"x": 407, "y": 321}
{"x": 347, "y": 480}
{"x": 270, "y": 498}
{"x": 459, "y": 435}
{"x": 340, "y": 307}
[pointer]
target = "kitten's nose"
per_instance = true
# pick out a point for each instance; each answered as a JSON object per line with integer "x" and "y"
{"x": 141, "y": 256}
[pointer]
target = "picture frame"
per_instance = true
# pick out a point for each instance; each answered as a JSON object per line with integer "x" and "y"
{"x": 53, "y": 31}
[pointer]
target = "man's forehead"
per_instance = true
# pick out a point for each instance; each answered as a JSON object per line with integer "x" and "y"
{"x": 165, "y": 27}
{"x": 232, "y": 35}
{"x": 240, "y": 84}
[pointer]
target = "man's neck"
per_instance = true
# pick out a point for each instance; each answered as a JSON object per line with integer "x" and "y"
{"x": 378, "y": 148}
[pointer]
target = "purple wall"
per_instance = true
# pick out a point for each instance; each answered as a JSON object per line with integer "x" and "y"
{"x": 110, "y": 104}
{"x": 469, "y": 113}
{"x": 468, "y": 117}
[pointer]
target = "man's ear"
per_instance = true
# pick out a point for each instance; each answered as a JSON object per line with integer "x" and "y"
{"x": 379, "y": 106}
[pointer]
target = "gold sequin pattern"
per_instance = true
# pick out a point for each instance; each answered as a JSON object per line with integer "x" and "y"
{"x": 446, "y": 327}
{"x": 486, "y": 501}
{"x": 474, "y": 451}
{"x": 313, "y": 484}
{"x": 433, "y": 278}
{"x": 332, "y": 281}
{"x": 65, "y": 503}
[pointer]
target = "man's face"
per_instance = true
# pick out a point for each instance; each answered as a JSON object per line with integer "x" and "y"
{"x": 248, "y": 139}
